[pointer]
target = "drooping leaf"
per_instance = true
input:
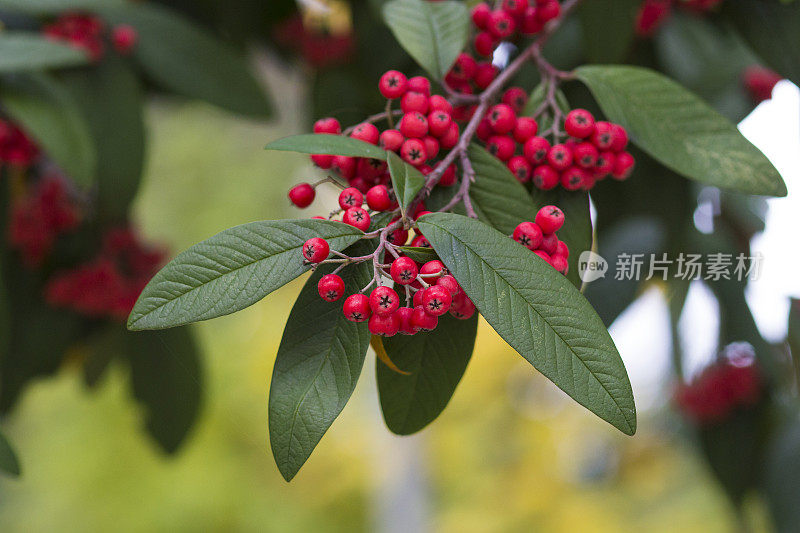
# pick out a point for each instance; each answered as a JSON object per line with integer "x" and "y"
{"x": 406, "y": 180}
{"x": 538, "y": 312}
{"x": 498, "y": 198}
{"x": 608, "y": 29}
{"x": 30, "y": 51}
{"x": 772, "y": 29}
{"x": 111, "y": 98}
{"x": 187, "y": 59}
{"x": 318, "y": 364}
{"x": 9, "y": 464}
{"x": 49, "y": 113}
{"x": 232, "y": 270}
{"x": 56, "y": 7}
{"x": 680, "y": 130}
{"x": 435, "y": 362}
{"x": 433, "y": 33}
{"x": 327, "y": 144}
{"x": 166, "y": 377}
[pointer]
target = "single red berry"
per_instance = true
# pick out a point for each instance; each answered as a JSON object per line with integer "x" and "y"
{"x": 393, "y": 84}
{"x": 501, "y": 25}
{"x": 548, "y": 10}
{"x": 602, "y": 136}
{"x": 328, "y": 125}
{"x": 501, "y": 146}
{"x": 316, "y": 250}
{"x": 384, "y": 301}
{"x": 464, "y": 68}
{"x": 439, "y": 103}
{"x": 302, "y": 195}
{"x": 550, "y": 219}
{"x": 574, "y": 178}
{"x": 585, "y": 155}
{"x": 449, "y": 282}
{"x": 484, "y": 45}
{"x": 431, "y": 148}
{"x": 357, "y": 217}
{"x": 480, "y": 15}
{"x": 524, "y": 129}
{"x": 330, "y": 287}
{"x": 404, "y": 270}
{"x": 439, "y": 123}
{"x": 413, "y": 152}
{"x": 530, "y": 23}
{"x": 562, "y": 249}
{"x": 423, "y": 321}
{"x": 544, "y": 255}
{"x": 431, "y": 270}
{"x": 414, "y": 102}
{"x": 450, "y": 139}
{"x": 484, "y": 131}
{"x": 323, "y": 161}
{"x": 549, "y": 243}
{"x": 560, "y": 263}
{"x": 623, "y": 166}
{"x": 559, "y": 157}
{"x": 536, "y": 149}
{"x": 545, "y": 178}
{"x": 420, "y": 84}
{"x": 356, "y": 308}
{"x": 406, "y": 316}
{"x": 515, "y": 7}
{"x": 448, "y": 178}
{"x": 420, "y": 242}
{"x": 485, "y": 75}
{"x": 414, "y": 125}
{"x": 436, "y": 300}
{"x": 366, "y": 132}
{"x": 528, "y": 234}
{"x": 619, "y": 138}
{"x": 521, "y": 168}
{"x": 124, "y": 38}
{"x": 462, "y": 307}
{"x": 516, "y": 97}
{"x": 350, "y": 197}
{"x": 760, "y": 82}
{"x": 605, "y": 164}
{"x": 378, "y": 198}
{"x": 345, "y": 166}
{"x": 398, "y": 237}
{"x": 391, "y": 140}
{"x": 650, "y": 17}
{"x": 579, "y": 123}
{"x": 502, "y": 118}
{"x": 384, "y": 325}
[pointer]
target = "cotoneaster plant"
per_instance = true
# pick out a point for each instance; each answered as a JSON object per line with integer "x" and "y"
{"x": 467, "y": 195}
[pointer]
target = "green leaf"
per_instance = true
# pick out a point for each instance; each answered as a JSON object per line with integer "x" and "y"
{"x": 608, "y": 29}
{"x": 419, "y": 254}
{"x": 435, "y": 361}
{"x": 498, "y": 198}
{"x": 318, "y": 364}
{"x": 30, "y": 51}
{"x": 232, "y": 270}
{"x": 772, "y": 30}
{"x": 188, "y": 60}
{"x": 8, "y": 458}
{"x": 680, "y": 130}
{"x": 433, "y": 33}
{"x": 56, "y": 7}
{"x": 781, "y": 478}
{"x": 327, "y": 144}
{"x": 793, "y": 337}
{"x": 47, "y": 111}
{"x": 111, "y": 98}
{"x": 406, "y": 180}
{"x": 166, "y": 377}
{"x": 538, "y": 312}
{"x": 536, "y": 99}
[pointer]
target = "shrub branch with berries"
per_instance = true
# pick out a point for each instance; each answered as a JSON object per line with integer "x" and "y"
{"x": 467, "y": 195}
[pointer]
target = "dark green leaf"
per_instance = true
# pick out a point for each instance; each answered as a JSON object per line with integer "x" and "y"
{"x": 30, "y": 51}
{"x": 498, "y": 198}
{"x": 420, "y": 255}
{"x": 185, "y": 58}
{"x": 538, "y": 312}
{"x": 793, "y": 337}
{"x": 318, "y": 364}
{"x": 8, "y": 459}
{"x": 111, "y": 98}
{"x": 56, "y": 7}
{"x": 166, "y": 376}
{"x": 680, "y": 130}
{"x": 608, "y": 29}
{"x": 327, "y": 144}
{"x": 406, "y": 180}
{"x": 435, "y": 361}
{"x": 47, "y": 111}
{"x": 782, "y": 478}
{"x": 433, "y": 33}
{"x": 537, "y": 97}
{"x": 232, "y": 270}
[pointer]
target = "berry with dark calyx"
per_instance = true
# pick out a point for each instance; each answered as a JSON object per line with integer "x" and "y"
{"x": 605, "y": 164}
{"x": 585, "y": 155}
{"x": 414, "y": 102}
{"x": 384, "y": 325}
{"x": 393, "y": 84}
{"x": 619, "y": 138}
{"x": 545, "y": 178}
{"x": 420, "y": 242}
{"x": 436, "y": 300}
{"x": 432, "y": 270}
{"x": 528, "y": 234}
{"x": 602, "y": 136}
{"x": 384, "y": 301}
{"x": 350, "y": 197}
{"x": 501, "y": 146}
{"x": 550, "y": 219}
{"x": 413, "y": 152}
{"x": 516, "y": 97}
{"x": 525, "y": 128}
{"x": 328, "y": 125}
{"x": 439, "y": 123}
{"x": 316, "y": 250}
{"x": 420, "y": 84}
{"x": 379, "y": 199}
{"x": 422, "y": 320}
{"x": 480, "y": 15}
{"x": 366, "y": 132}
{"x": 462, "y": 307}
{"x": 521, "y": 168}
{"x": 398, "y": 237}
{"x": 357, "y": 217}
{"x": 549, "y": 244}
{"x": 330, "y": 287}
{"x": 406, "y": 316}
{"x": 536, "y": 150}
{"x": 502, "y": 118}
{"x": 574, "y": 178}
{"x": 501, "y": 25}
{"x": 464, "y": 68}
{"x": 560, "y": 157}
{"x": 449, "y": 282}
{"x": 579, "y": 123}
{"x": 414, "y": 125}
{"x": 560, "y": 263}
{"x": 404, "y": 270}
{"x": 356, "y": 308}
{"x": 391, "y": 140}
{"x": 514, "y": 7}
{"x": 623, "y": 166}
{"x": 124, "y": 38}
{"x": 302, "y": 195}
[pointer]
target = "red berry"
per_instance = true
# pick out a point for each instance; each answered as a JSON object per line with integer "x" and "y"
{"x": 350, "y": 197}
{"x": 462, "y": 307}
{"x": 549, "y": 243}
{"x": 619, "y": 138}
{"x": 536, "y": 149}
{"x": 398, "y": 237}
{"x": 585, "y": 155}
{"x": 413, "y": 152}
{"x": 480, "y": 15}
{"x": 124, "y": 38}
{"x": 530, "y": 23}
{"x": 484, "y": 46}
{"x": 485, "y": 75}
{"x": 414, "y": 125}
{"x": 760, "y": 82}
{"x": 414, "y": 102}
{"x": 544, "y": 255}
{"x": 515, "y": 7}
{"x": 574, "y": 178}
{"x": 448, "y": 178}
{"x": 528, "y": 234}
{"x": 602, "y": 136}
{"x": 327, "y": 125}
{"x": 357, "y": 217}
{"x": 345, "y": 165}
{"x": 420, "y": 84}
{"x": 450, "y": 139}
{"x": 562, "y": 249}
{"x": 431, "y": 270}
{"x": 525, "y": 129}
{"x": 356, "y": 308}
{"x": 501, "y": 24}
{"x": 605, "y": 164}
{"x": 520, "y": 167}
{"x": 391, "y": 140}
{"x": 393, "y": 84}
{"x": 623, "y": 166}
{"x": 516, "y": 97}
{"x": 449, "y": 282}
{"x": 548, "y": 10}
{"x": 579, "y": 123}
{"x": 545, "y": 178}
{"x": 559, "y": 157}
{"x": 322, "y": 161}
{"x": 420, "y": 242}
{"x": 379, "y": 199}
{"x": 384, "y": 301}
{"x": 439, "y": 123}
{"x": 550, "y": 219}
{"x": 316, "y": 250}
{"x": 560, "y": 263}
{"x": 423, "y": 320}
{"x": 464, "y": 68}
{"x": 501, "y": 146}
{"x": 366, "y": 132}
{"x": 384, "y": 325}
{"x": 406, "y": 316}
{"x": 440, "y": 103}
{"x": 502, "y": 118}
{"x": 436, "y": 300}
{"x": 330, "y": 287}
{"x": 431, "y": 148}
{"x": 404, "y": 270}
{"x": 302, "y": 195}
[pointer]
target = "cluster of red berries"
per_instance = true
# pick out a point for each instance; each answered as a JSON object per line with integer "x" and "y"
{"x": 511, "y": 18}
{"x": 595, "y": 149}
{"x": 760, "y": 81}
{"x": 107, "y": 286}
{"x": 86, "y": 32}
{"x": 540, "y": 237}
{"x": 16, "y": 148}
{"x": 722, "y": 387}
{"x": 435, "y": 293}
{"x": 40, "y": 217}
{"x": 653, "y": 14}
